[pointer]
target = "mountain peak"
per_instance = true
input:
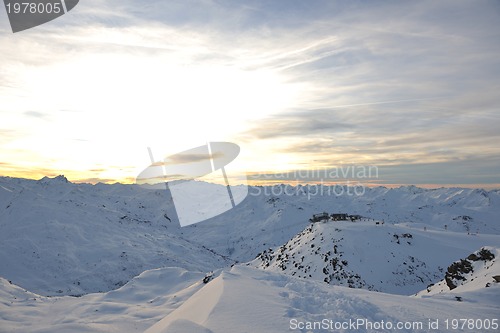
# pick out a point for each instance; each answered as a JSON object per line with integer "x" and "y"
{"x": 57, "y": 179}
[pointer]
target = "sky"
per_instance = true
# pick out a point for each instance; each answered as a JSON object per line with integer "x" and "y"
{"x": 410, "y": 88}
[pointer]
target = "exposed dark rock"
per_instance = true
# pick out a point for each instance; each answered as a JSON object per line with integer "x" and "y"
{"x": 473, "y": 257}
{"x": 456, "y": 272}
{"x": 486, "y": 255}
{"x": 208, "y": 277}
{"x": 458, "y": 269}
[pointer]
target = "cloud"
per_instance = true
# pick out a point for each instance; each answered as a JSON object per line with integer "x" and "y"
{"x": 477, "y": 170}
{"x": 419, "y": 88}
{"x": 302, "y": 124}
{"x": 9, "y": 135}
{"x": 401, "y": 83}
{"x": 35, "y": 114}
{"x": 471, "y": 171}
{"x": 31, "y": 172}
{"x": 94, "y": 180}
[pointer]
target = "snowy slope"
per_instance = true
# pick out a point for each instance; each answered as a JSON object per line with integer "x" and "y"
{"x": 479, "y": 271}
{"x": 399, "y": 258}
{"x": 59, "y": 238}
{"x": 273, "y": 217}
{"x": 242, "y": 299}
{"x": 132, "y": 308}
{"x": 249, "y": 300}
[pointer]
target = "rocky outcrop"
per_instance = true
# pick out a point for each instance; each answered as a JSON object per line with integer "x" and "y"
{"x": 458, "y": 272}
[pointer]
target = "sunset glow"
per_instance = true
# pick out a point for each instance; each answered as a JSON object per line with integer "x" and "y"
{"x": 410, "y": 88}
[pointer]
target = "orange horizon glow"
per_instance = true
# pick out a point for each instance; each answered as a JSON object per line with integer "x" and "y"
{"x": 370, "y": 184}
{"x": 310, "y": 95}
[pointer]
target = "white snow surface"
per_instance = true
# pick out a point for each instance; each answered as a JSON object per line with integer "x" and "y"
{"x": 241, "y": 299}
{"x": 393, "y": 258}
{"x": 481, "y": 276}
{"x": 245, "y": 299}
{"x": 119, "y": 249}
{"x": 132, "y": 308}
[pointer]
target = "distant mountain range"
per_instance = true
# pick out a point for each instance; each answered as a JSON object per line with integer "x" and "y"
{"x": 60, "y": 238}
{"x": 119, "y": 249}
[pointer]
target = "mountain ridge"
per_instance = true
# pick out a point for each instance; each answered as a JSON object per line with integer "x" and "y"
{"x": 81, "y": 238}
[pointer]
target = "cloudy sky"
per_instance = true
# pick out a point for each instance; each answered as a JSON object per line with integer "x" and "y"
{"x": 412, "y": 88}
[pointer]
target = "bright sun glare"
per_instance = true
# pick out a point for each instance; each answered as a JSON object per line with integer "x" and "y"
{"x": 119, "y": 104}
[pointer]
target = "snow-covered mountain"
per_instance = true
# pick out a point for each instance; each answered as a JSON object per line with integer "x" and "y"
{"x": 393, "y": 258}
{"x": 120, "y": 250}
{"x": 60, "y": 238}
{"x": 477, "y": 271}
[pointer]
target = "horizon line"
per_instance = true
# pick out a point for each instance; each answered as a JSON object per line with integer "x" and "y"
{"x": 278, "y": 182}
